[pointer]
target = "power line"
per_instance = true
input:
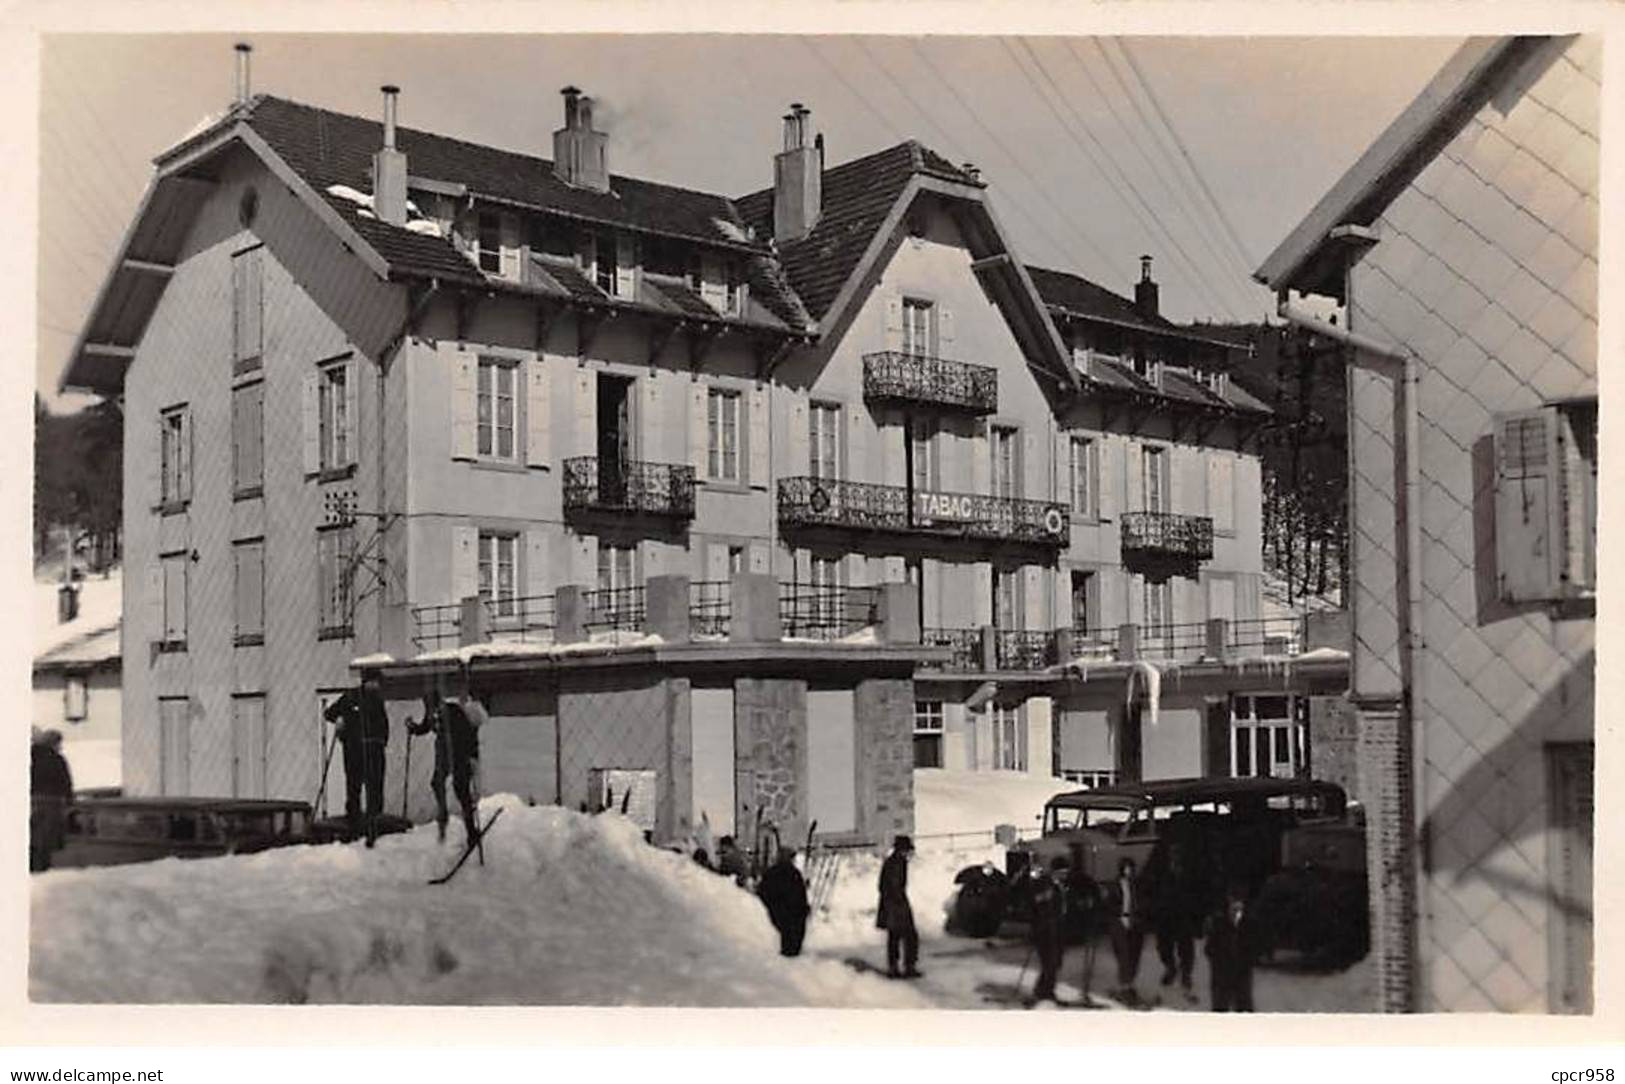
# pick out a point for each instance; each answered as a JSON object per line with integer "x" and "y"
{"x": 1120, "y": 182}
{"x": 859, "y": 97}
{"x": 1151, "y": 94}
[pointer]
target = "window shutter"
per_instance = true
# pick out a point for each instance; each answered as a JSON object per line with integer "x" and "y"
{"x": 538, "y": 413}
{"x": 698, "y": 431}
{"x": 185, "y": 473}
{"x": 759, "y": 558}
{"x": 716, "y": 561}
{"x": 712, "y": 291}
{"x": 626, "y": 265}
{"x": 352, "y": 421}
{"x": 1173, "y": 463}
{"x": 798, "y": 445}
{"x": 981, "y": 463}
{"x": 760, "y": 470}
{"x": 1221, "y": 503}
{"x": 585, "y": 413}
{"x": 1529, "y": 521}
{"x": 853, "y": 448}
{"x": 982, "y": 604}
{"x": 1221, "y": 598}
{"x": 510, "y": 248}
{"x": 1134, "y": 472}
{"x": 537, "y": 574}
{"x": 1033, "y": 614}
{"x": 309, "y": 408}
{"x": 894, "y": 570}
{"x": 464, "y": 390}
{"x": 945, "y": 327}
{"x": 1249, "y": 595}
{"x": 1106, "y": 477}
{"x": 465, "y": 568}
{"x": 894, "y": 322}
{"x": 154, "y": 603}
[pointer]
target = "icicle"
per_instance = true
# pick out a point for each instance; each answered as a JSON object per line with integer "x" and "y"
{"x": 1153, "y": 687}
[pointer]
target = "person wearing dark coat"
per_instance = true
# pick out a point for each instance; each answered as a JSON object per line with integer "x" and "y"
{"x": 1232, "y": 947}
{"x": 1125, "y": 908}
{"x": 894, "y": 914}
{"x": 1175, "y": 904}
{"x": 731, "y": 861}
{"x": 50, "y": 785}
{"x": 363, "y": 733}
{"x": 1048, "y": 898}
{"x": 455, "y": 726}
{"x": 784, "y": 891}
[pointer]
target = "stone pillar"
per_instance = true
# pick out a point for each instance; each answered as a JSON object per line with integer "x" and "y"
{"x": 471, "y": 626}
{"x": 770, "y": 755}
{"x": 674, "y": 820}
{"x": 666, "y": 613}
{"x": 753, "y": 608}
{"x": 1128, "y": 643}
{"x": 899, "y": 614}
{"x": 1388, "y": 795}
{"x": 569, "y": 615}
{"x": 884, "y": 726}
{"x": 1066, "y": 645}
{"x": 990, "y": 649}
{"x": 1218, "y": 638}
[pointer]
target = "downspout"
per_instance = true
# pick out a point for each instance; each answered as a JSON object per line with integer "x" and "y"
{"x": 1400, "y": 366}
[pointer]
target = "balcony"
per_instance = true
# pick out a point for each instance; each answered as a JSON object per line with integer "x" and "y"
{"x": 628, "y": 488}
{"x": 1168, "y": 536}
{"x": 909, "y": 379}
{"x": 866, "y": 506}
{"x": 984, "y": 649}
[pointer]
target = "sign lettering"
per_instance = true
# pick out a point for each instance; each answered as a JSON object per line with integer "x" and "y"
{"x": 960, "y": 507}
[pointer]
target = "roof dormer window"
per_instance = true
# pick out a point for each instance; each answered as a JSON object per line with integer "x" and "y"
{"x": 488, "y": 241}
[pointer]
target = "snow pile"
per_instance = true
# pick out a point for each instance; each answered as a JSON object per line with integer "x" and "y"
{"x": 607, "y": 640}
{"x": 847, "y": 917}
{"x": 965, "y": 801}
{"x": 569, "y": 909}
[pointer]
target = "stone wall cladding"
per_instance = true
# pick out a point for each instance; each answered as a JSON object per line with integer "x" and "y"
{"x": 1334, "y": 742}
{"x": 885, "y": 755}
{"x": 770, "y": 742}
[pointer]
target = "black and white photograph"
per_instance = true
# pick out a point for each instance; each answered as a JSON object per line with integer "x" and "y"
{"x": 1001, "y": 522}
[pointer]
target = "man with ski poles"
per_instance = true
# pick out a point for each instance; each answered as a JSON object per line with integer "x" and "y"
{"x": 363, "y": 731}
{"x": 455, "y": 724}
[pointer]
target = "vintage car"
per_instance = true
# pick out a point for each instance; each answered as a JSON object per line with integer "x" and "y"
{"x": 1292, "y": 844}
{"x": 114, "y": 831}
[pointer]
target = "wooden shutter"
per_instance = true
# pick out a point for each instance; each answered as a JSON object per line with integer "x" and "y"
{"x": 894, "y": 322}
{"x": 1221, "y": 487}
{"x": 1249, "y": 595}
{"x": 982, "y": 603}
{"x": 1107, "y": 472}
{"x": 464, "y": 403}
{"x": 853, "y": 449}
{"x": 699, "y": 434}
{"x": 798, "y": 450}
{"x": 511, "y": 250}
{"x": 352, "y": 421}
{"x": 465, "y": 566}
{"x": 1134, "y": 478}
{"x": 716, "y": 561}
{"x": 626, "y": 266}
{"x": 584, "y": 412}
{"x": 248, "y": 747}
{"x": 893, "y": 570}
{"x": 981, "y": 462}
{"x": 712, "y": 290}
{"x": 1033, "y": 614}
{"x": 538, "y": 413}
{"x": 759, "y": 558}
{"x": 945, "y": 329}
{"x": 538, "y": 577}
{"x": 153, "y": 604}
{"x": 756, "y": 437}
{"x": 310, "y": 412}
{"x": 1172, "y": 461}
{"x": 1529, "y": 521}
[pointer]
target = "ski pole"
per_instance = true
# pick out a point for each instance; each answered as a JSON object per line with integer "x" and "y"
{"x": 406, "y": 772}
{"x": 1021, "y": 977}
{"x": 327, "y": 763}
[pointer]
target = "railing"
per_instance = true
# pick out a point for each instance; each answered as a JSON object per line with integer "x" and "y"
{"x": 628, "y": 487}
{"x": 619, "y": 608}
{"x": 1024, "y": 649}
{"x": 1174, "y": 641}
{"x": 868, "y": 506}
{"x": 1270, "y": 635}
{"x": 437, "y": 626}
{"x": 964, "y": 644}
{"x": 825, "y": 612}
{"x": 710, "y": 606}
{"x": 528, "y": 619}
{"x": 1168, "y": 534}
{"x": 895, "y": 377}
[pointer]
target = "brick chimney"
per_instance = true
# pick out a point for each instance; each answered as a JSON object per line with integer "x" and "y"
{"x": 389, "y": 169}
{"x": 798, "y": 178}
{"x": 580, "y": 155}
{"x": 1145, "y": 291}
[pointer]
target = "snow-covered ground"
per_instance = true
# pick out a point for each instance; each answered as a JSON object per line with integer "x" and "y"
{"x": 101, "y": 602}
{"x": 569, "y": 909}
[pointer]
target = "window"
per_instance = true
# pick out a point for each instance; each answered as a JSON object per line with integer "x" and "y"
{"x": 928, "y": 733}
{"x": 616, "y": 566}
{"x": 248, "y": 438}
{"x": 1090, "y": 778}
{"x": 175, "y": 455}
{"x": 75, "y": 698}
{"x": 722, "y": 435}
{"x": 494, "y": 408}
{"x": 1211, "y": 379}
{"x": 1159, "y": 613}
{"x": 1147, "y": 368}
{"x": 1084, "y": 602}
{"x": 1009, "y": 739}
{"x": 925, "y": 457}
{"x": 919, "y": 326}
{"x": 247, "y": 307}
{"x": 1546, "y": 502}
{"x": 173, "y": 630}
{"x": 605, "y": 270}
{"x": 335, "y": 574}
{"x": 734, "y": 296}
{"x": 174, "y": 745}
{"x": 1006, "y": 477}
{"x": 1221, "y": 492}
{"x": 497, "y": 578}
{"x": 489, "y": 242}
{"x": 1154, "y": 461}
{"x": 334, "y": 400}
{"x": 1268, "y": 736}
{"x": 1006, "y": 598}
{"x": 829, "y": 604}
{"x": 1082, "y": 473}
{"x": 824, "y": 423}
{"x": 736, "y": 560}
{"x": 248, "y": 559}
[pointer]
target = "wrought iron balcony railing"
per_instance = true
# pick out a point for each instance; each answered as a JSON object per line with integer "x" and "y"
{"x": 964, "y": 645}
{"x": 628, "y": 487}
{"x": 825, "y": 612}
{"x": 895, "y": 377}
{"x": 866, "y": 506}
{"x": 1168, "y": 534}
{"x": 1025, "y": 649}
{"x": 623, "y": 609}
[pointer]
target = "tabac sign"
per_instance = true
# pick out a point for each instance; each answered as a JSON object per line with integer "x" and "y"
{"x": 949, "y": 507}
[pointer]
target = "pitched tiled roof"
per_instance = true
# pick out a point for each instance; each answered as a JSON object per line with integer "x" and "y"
{"x": 857, "y": 197}
{"x": 1080, "y": 297}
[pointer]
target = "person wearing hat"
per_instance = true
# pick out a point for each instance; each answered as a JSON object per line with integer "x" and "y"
{"x": 51, "y": 791}
{"x": 784, "y": 892}
{"x": 1048, "y": 897}
{"x": 895, "y": 916}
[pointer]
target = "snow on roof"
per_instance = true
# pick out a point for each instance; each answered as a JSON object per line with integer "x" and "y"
{"x": 90, "y": 637}
{"x": 568, "y": 909}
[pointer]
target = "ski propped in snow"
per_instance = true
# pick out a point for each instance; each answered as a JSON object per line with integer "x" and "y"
{"x": 469, "y": 848}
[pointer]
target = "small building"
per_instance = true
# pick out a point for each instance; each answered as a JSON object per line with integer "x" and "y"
{"x": 1463, "y": 248}
{"x": 76, "y": 676}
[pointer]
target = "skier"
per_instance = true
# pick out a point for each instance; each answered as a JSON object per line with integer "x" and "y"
{"x": 1232, "y": 946}
{"x": 731, "y": 861}
{"x": 455, "y": 725}
{"x": 51, "y": 792}
{"x": 895, "y": 916}
{"x": 363, "y": 731}
{"x": 784, "y": 891}
{"x": 1048, "y": 900}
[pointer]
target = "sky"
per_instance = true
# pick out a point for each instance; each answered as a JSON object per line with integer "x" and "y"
{"x": 1202, "y": 152}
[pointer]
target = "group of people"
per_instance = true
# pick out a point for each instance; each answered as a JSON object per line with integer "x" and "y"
{"x": 453, "y": 715}
{"x": 1176, "y": 899}
{"x": 50, "y": 786}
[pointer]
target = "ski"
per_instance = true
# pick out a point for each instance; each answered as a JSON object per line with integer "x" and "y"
{"x": 468, "y": 849}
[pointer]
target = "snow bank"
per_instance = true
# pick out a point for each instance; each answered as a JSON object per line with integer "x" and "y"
{"x": 607, "y": 640}
{"x": 963, "y": 801}
{"x": 570, "y": 909}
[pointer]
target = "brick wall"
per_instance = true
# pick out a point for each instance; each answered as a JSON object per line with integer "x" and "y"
{"x": 1385, "y": 765}
{"x": 1334, "y": 742}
